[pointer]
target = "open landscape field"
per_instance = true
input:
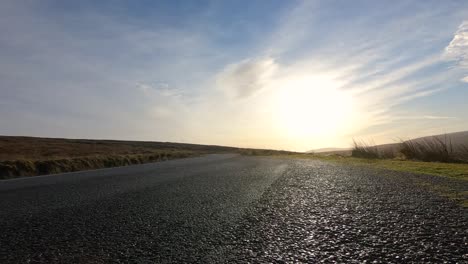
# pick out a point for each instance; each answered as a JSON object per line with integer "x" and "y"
{"x": 30, "y": 156}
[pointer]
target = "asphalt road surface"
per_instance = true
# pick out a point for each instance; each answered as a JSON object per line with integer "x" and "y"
{"x": 231, "y": 209}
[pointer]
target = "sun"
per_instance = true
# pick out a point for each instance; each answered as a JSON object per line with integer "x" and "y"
{"x": 312, "y": 106}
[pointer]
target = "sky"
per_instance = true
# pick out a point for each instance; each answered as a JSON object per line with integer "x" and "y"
{"x": 292, "y": 75}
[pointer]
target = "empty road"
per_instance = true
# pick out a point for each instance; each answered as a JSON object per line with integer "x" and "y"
{"x": 231, "y": 209}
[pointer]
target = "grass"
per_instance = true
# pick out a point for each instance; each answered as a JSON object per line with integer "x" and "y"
{"x": 30, "y": 156}
{"x": 434, "y": 155}
{"x": 453, "y": 170}
{"x": 365, "y": 150}
{"x": 21, "y": 168}
{"x": 457, "y": 171}
{"x": 432, "y": 149}
{"x": 32, "y": 148}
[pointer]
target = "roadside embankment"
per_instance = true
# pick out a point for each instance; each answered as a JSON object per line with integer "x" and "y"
{"x": 21, "y": 168}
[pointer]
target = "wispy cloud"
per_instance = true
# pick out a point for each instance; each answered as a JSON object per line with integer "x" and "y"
{"x": 201, "y": 78}
{"x": 457, "y": 50}
{"x": 430, "y": 117}
{"x": 244, "y": 78}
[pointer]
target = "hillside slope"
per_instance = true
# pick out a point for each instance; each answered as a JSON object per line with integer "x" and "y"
{"x": 30, "y": 156}
{"x": 457, "y": 139}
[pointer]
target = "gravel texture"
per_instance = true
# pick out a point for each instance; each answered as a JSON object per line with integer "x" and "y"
{"x": 231, "y": 209}
{"x": 318, "y": 212}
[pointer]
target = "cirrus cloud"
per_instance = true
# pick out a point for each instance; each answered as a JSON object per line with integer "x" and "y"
{"x": 247, "y": 77}
{"x": 457, "y": 50}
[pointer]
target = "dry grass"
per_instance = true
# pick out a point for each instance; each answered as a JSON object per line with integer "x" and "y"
{"x": 430, "y": 149}
{"x": 435, "y": 149}
{"x": 368, "y": 150}
{"x": 362, "y": 149}
{"x": 31, "y": 148}
{"x": 20, "y": 168}
{"x": 29, "y": 156}
{"x": 463, "y": 152}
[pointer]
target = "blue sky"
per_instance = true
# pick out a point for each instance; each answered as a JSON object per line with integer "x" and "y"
{"x": 292, "y": 75}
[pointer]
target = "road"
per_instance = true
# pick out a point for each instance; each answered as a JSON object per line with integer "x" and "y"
{"x": 231, "y": 209}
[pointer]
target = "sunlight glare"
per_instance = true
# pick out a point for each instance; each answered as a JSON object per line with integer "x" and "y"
{"x": 312, "y": 106}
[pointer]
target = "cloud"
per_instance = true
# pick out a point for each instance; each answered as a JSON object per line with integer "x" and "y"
{"x": 247, "y": 77}
{"x": 425, "y": 117}
{"x": 141, "y": 78}
{"x": 438, "y": 117}
{"x": 457, "y": 50}
{"x": 384, "y": 68}
{"x": 144, "y": 88}
{"x": 159, "y": 88}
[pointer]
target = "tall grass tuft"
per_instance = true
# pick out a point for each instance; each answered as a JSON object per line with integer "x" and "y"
{"x": 430, "y": 149}
{"x": 463, "y": 153}
{"x": 363, "y": 149}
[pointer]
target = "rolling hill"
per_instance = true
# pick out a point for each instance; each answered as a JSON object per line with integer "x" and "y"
{"x": 457, "y": 140}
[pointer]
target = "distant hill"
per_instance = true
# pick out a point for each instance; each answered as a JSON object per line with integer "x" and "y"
{"x": 457, "y": 139}
{"x": 36, "y": 148}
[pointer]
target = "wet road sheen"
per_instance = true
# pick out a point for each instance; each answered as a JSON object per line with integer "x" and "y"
{"x": 230, "y": 209}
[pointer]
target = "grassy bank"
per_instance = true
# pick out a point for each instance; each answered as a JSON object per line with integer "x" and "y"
{"x": 458, "y": 171}
{"x": 430, "y": 149}
{"x": 32, "y": 148}
{"x": 21, "y": 168}
{"x": 453, "y": 170}
{"x": 30, "y": 156}
{"x": 431, "y": 155}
